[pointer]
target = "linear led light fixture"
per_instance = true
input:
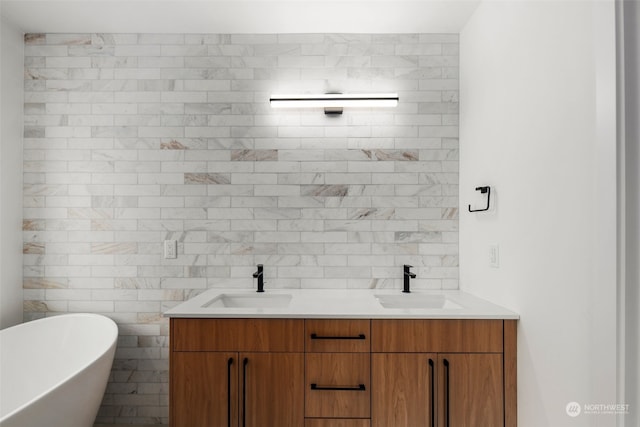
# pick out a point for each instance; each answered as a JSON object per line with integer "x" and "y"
{"x": 333, "y": 103}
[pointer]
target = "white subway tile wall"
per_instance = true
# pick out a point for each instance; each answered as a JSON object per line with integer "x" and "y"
{"x": 133, "y": 139}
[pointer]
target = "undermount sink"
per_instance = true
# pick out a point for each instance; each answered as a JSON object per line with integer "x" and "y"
{"x": 417, "y": 301}
{"x": 250, "y": 300}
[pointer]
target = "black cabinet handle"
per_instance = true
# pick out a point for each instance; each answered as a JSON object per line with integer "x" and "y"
{"x": 432, "y": 397}
{"x": 229, "y": 363}
{"x": 244, "y": 391}
{"x": 359, "y": 387}
{"x": 318, "y": 337}
{"x": 446, "y": 384}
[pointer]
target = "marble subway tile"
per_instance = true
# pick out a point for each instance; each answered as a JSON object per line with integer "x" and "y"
{"x": 325, "y": 190}
{"x": 114, "y": 248}
{"x": 68, "y": 39}
{"x": 33, "y": 224}
{"x": 254, "y": 155}
{"x": 132, "y": 139}
{"x": 91, "y": 50}
{"x": 41, "y": 283}
{"x": 206, "y": 178}
{"x": 35, "y": 38}
{"x": 33, "y": 248}
{"x": 45, "y": 50}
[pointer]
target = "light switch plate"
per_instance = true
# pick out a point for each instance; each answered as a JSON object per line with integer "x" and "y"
{"x": 170, "y": 249}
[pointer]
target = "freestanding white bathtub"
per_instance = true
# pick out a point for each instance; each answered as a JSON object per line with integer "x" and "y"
{"x": 53, "y": 371}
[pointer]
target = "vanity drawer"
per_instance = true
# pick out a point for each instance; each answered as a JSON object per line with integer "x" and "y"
{"x": 436, "y": 336}
{"x": 281, "y": 335}
{"x": 343, "y": 335}
{"x": 338, "y": 385}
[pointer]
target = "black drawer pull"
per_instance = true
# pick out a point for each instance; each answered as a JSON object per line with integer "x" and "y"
{"x": 446, "y": 386}
{"x": 317, "y": 337}
{"x": 432, "y": 392}
{"x": 229, "y": 363}
{"x": 359, "y": 387}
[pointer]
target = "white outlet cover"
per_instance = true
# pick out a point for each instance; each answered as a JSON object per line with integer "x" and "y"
{"x": 170, "y": 249}
{"x": 494, "y": 256}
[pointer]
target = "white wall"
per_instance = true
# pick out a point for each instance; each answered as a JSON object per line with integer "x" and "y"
{"x": 632, "y": 224}
{"x": 11, "y": 96}
{"x": 537, "y": 116}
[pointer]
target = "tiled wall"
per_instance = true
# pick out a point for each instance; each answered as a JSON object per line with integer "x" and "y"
{"x": 133, "y": 139}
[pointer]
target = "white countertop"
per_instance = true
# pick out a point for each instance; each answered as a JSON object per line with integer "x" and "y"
{"x": 340, "y": 304}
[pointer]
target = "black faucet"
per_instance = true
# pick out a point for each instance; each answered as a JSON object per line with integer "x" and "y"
{"x": 407, "y": 275}
{"x": 260, "y": 276}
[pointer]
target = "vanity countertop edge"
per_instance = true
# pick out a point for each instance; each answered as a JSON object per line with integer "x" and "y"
{"x": 340, "y": 304}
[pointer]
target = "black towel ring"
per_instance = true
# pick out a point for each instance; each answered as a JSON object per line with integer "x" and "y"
{"x": 483, "y": 190}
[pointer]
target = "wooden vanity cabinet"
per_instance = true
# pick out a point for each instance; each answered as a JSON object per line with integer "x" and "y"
{"x": 443, "y": 373}
{"x": 231, "y": 373}
{"x": 400, "y": 373}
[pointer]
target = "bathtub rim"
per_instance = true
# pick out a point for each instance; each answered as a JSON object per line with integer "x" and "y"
{"x": 113, "y": 328}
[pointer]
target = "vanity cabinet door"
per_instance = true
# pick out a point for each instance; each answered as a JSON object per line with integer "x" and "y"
{"x": 437, "y": 390}
{"x": 204, "y": 389}
{"x": 271, "y": 389}
{"x": 403, "y": 391}
{"x": 470, "y": 390}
